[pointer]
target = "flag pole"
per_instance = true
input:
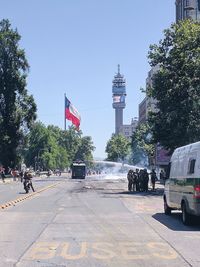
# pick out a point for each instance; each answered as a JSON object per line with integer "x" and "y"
{"x": 64, "y": 113}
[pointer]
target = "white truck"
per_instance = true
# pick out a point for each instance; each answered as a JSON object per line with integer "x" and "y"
{"x": 182, "y": 188}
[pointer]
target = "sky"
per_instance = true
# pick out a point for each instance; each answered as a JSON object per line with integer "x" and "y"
{"x": 74, "y": 47}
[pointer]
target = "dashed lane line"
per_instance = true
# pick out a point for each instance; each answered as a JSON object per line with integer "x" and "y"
{"x": 28, "y": 196}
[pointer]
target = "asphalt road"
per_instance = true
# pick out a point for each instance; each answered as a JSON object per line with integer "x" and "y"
{"x": 91, "y": 222}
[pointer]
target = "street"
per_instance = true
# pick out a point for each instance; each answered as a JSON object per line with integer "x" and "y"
{"x": 91, "y": 222}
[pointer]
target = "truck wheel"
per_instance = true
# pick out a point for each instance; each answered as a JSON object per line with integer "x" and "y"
{"x": 167, "y": 209}
{"x": 186, "y": 217}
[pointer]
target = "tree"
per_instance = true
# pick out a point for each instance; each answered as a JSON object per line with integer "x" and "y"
{"x": 17, "y": 108}
{"x": 78, "y": 147}
{"x": 85, "y": 149}
{"x": 141, "y": 144}
{"x": 176, "y": 86}
{"x": 51, "y": 148}
{"x": 57, "y": 151}
{"x": 45, "y": 150}
{"x": 117, "y": 148}
{"x": 71, "y": 140}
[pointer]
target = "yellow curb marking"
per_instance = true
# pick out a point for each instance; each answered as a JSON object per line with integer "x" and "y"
{"x": 31, "y": 195}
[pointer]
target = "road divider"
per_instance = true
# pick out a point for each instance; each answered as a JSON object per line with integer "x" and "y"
{"x": 27, "y": 196}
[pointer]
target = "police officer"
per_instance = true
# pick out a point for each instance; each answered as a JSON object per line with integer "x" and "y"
{"x": 137, "y": 180}
{"x": 141, "y": 180}
{"x": 134, "y": 179}
{"x": 153, "y": 179}
{"x": 2, "y": 174}
{"x": 145, "y": 180}
{"x": 130, "y": 180}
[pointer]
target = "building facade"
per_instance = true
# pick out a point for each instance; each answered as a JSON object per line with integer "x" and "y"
{"x": 118, "y": 95}
{"x": 128, "y": 129}
{"x": 148, "y": 103}
{"x": 161, "y": 157}
{"x": 187, "y": 9}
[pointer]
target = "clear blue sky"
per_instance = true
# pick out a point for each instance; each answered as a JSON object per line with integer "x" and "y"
{"x": 74, "y": 46}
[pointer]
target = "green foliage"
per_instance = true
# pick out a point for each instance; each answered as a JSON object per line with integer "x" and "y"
{"x": 17, "y": 108}
{"x": 78, "y": 147}
{"x": 141, "y": 143}
{"x": 72, "y": 141}
{"x": 117, "y": 148}
{"x": 143, "y": 137}
{"x": 137, "y": 153}
{"x": 85, "y": 148}
{"x": 51, "y": 148}
{"x": 176, "y": 86}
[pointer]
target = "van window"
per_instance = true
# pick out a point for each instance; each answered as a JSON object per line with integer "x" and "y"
{"x": 191, "y": 166}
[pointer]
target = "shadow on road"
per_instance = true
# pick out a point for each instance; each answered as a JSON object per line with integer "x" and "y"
{"x": 174, "y": 222}
{"x": 150, "y": 193}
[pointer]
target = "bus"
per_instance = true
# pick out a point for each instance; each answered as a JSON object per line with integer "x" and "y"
{"x": 78, "y": 170}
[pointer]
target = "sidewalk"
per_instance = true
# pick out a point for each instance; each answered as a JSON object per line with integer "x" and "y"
{"x": 10, "y": 178}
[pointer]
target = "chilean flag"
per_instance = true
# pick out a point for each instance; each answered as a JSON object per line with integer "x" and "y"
{"x": 71, "y": 113}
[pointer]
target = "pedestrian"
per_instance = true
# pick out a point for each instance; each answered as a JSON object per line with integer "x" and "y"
{"x": 162, "y": 176}
{"x": 153, "y": 179}
{"x": 21, "y": 174}
{"x": 3, "y": 174}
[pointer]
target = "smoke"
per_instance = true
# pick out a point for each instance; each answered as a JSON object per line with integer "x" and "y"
{"x": 113, "y": 170}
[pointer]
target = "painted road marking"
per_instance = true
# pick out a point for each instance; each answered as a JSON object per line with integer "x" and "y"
{"x": 102, "y": 251}
{"x": 28, "y": 196}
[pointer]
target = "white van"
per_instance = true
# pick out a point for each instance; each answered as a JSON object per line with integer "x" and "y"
{"x": 182, "y": 188}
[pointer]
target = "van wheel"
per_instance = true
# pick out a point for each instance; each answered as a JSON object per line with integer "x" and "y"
{"x": 167, "y": 209}
{"x": 186, "y": 217}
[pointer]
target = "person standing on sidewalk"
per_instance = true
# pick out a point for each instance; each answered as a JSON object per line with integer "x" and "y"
{"x": 3, "y": 174}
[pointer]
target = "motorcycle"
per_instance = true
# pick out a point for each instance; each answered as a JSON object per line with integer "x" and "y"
{"x": 27, "y": 185}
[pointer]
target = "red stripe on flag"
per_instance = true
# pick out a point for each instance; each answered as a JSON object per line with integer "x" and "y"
{"x": 72, "y": 118}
